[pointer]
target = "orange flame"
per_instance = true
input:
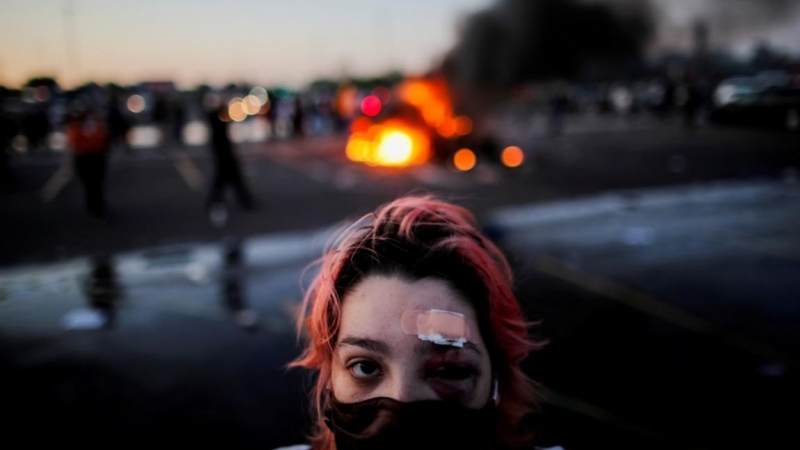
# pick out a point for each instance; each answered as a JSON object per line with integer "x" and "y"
{"x": 401, "y": 143}
{"x": 432, "y": 97}
{"x": 390, "y": 144}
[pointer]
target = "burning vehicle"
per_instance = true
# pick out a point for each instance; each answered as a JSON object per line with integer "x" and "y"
{"x": 416, "y": 123}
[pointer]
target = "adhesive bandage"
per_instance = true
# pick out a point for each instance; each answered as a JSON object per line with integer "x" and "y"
{"x": 435, "y": 325}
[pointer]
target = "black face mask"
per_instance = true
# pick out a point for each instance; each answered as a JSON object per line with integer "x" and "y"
{"x": 385, "y": 423}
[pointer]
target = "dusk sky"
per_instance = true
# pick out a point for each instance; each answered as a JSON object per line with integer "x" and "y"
{"x": 207, "y": 41}
{"x": 293, "y": 42}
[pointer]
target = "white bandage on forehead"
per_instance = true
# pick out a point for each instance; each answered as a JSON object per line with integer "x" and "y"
{"x": 435, "y": 325}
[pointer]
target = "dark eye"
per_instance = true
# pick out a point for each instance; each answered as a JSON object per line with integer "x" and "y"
{"x": 364, "y": 369}
{"x": 454, "y": 373}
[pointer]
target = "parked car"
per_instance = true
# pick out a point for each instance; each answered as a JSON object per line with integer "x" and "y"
{"x": 768, "y": 101}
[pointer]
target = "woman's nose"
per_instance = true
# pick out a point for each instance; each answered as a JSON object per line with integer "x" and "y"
{"x": 409, "y": 387}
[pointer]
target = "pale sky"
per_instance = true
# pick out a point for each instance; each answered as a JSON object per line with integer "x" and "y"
{"x": 289, "y": 42}
{"x": 214, "y": 41}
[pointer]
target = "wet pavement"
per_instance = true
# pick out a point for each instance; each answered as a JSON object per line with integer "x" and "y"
{"x": 671, "y": 315}
{"x": 157, "y": 195}
{"x": 193, "y": 347}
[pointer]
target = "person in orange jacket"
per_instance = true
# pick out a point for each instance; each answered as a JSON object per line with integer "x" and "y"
{"x": 88, "y": 137}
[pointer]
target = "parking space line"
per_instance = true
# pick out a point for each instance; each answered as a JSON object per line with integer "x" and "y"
{"x": 57, "y": 182}
{"x": 652, "y": 306}
{"x": 188, "y": 170}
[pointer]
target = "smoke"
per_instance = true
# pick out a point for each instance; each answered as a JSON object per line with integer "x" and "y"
{"x": 520, "y": 40}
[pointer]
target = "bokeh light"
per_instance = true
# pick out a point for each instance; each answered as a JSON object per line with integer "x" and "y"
{"x": 57, "y": 141}
{"x": 395, "y": 148}
{"x": 447, "y": 129}
{"x": 261, "y": 94}
{"x": 434, "y": 114}
{"x": 371, "y": 105}
{"x": 136, "y": 103}
{"x": 512, "y": 156}
{"x": 236, "y": 110}
{"x": 357, "y": 148}
{"x": 251, "y": 105}
{"x": 195, "y": 133}
{"x": 415, "y": 93}
{"x": 464, "y": 159}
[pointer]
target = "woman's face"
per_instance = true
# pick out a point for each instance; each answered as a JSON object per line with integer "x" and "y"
{"x": 374, "y": 357}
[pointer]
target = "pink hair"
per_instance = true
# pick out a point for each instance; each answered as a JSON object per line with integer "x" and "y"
{"x": 419, "y": 237}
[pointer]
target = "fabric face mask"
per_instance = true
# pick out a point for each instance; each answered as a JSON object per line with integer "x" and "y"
{"x": 385, "y": 423}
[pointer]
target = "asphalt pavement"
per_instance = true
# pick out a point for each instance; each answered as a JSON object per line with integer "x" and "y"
{"x": 157, "y": 196}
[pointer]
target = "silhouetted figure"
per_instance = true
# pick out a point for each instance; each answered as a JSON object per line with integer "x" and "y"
{"x": 298, "y": 118}
{"x": 161, "y": 117}
{"x": 178, "y": 121}
{"x": 665, "y": 107}
{"x": 558, "y": 108}
{"x": 118, "y": 125}
{"x": 226, "y": 165}
{"x": 37, "y": 126}
{"x": 102, "y": 289}
{"x": 88, "y": 138}
{"x": 272, "y": 113}
{"x": 693, "y": 100}
{"x": 7, "y": 133}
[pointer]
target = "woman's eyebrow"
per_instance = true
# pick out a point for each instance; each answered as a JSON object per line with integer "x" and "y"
{"x": 366, "y": 343}
{"x": 424, "y": 348}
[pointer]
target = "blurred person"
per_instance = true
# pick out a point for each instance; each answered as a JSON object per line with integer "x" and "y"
{"x": 226, "y": 163}
{"x": 118, "y": 125}
{"x": 8, "y": 130}
{"x": 298, "y": 118}
{"x": 178, "y": 121}
{"x": 416, "y": 337}
{"x": 88, "y": 136}
{"x": 559, "y": 101}
{"x": 272, "y": 113}
{"x": 161, "y": 116}
{"x": 345, "y": 105}
{"x": 693, "y": 99}
{"x": 37, "y": 127}
{"x": 667, "y": 100}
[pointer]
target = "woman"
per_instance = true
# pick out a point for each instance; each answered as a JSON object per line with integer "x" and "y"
{"x": 416, "y": 336}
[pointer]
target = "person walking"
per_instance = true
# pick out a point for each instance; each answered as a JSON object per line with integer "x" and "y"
{"x": 88, "y": 136}
{"x": 226, "y": 166}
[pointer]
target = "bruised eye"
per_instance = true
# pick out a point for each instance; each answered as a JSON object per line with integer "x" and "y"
{"x": 453, "y": 372}
{"x": 364, "y": 369}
